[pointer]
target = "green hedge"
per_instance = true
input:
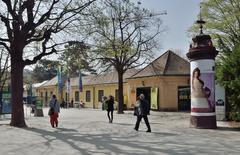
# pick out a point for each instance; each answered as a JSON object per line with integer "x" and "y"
{"x": 234, "y": 116}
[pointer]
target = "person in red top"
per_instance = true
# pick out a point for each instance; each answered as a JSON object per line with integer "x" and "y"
{"x": 56, "y": 109}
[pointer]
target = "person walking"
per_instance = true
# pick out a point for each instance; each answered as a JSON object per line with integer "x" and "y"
{"x": 143, "y": 110}
{"x": 53, "y": 111}
{"x": 110, "y": 108}
{"x": 104, "y": 99}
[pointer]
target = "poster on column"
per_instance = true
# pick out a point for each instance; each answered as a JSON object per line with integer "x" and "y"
{"x": 202, "y": 87}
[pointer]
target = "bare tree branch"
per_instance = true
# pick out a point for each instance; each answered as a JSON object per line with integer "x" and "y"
{"x": 6, "y": 21}
{"x": 9, "y": 7}
{"x": 4, "y": 74}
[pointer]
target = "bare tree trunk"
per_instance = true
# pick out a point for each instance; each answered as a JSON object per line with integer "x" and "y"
{"x": 17, "y": 66}
{"x": 120, "y": 92}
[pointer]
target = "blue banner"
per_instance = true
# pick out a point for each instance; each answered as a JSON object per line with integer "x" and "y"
{"x": 68, "y": 85}
{"x": 59, "y": 78}
{"x": 80, "y": 82}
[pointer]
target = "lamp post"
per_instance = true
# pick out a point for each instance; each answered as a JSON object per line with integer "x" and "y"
{"x": 202, "y": 55}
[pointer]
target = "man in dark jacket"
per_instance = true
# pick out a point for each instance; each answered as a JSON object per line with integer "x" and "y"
{"x": 110, "y": 108}
{"x": 144, "y": 108}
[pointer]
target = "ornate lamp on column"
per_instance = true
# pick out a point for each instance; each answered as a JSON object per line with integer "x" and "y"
{"x": 202, "y": 55}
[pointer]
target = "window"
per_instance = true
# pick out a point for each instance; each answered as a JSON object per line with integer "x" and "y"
{"x": 88, "y": 96}
{"x": 77, "y": 96}
{"x": 41, "y": 94}
{"x": 100, "y": 95}
{"x": 116, "y": 94}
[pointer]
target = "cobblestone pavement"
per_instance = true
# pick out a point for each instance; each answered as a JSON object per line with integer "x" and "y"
{"x": 87, "y": 132}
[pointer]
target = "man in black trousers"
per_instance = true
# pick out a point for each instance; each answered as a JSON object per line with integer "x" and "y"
{"x": 143, "y": 111}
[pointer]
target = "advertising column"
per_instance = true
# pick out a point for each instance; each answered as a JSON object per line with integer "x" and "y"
{"x": 202, "y": 58}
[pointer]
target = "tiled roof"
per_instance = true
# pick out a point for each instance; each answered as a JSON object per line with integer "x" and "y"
{"x": 106, "y": 78}
{"x": 36, "y": 85}
{"x": 168, "y": 63}
{"x": 86, "y": 80}
{"x": 51, "y": 82}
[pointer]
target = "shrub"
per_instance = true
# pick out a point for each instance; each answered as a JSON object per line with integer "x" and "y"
{"x": 234, "y": 116}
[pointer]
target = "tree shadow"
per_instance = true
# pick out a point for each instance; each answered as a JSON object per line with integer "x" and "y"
{"x": 4, "y": 124}
{"x": 165, "y": 134}
{"x": 124, "y": 124}
{"x": 229, "y": 129}
{"x": 106, "y": 143}
{"x": 155, "y": 123}
{"x": 66, "y": 130}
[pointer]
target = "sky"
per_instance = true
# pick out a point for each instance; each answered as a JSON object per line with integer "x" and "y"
{"x": 181, "y": 15}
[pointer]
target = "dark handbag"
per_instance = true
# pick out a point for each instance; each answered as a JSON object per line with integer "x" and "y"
{"x": 106, "y": 105}
{"x": 51, "y": 111}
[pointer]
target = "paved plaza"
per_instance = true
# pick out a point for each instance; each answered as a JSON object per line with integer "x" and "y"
{"x": 87, "y": 132}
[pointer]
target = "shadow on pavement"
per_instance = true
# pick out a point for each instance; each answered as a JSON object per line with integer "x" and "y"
{"x": 4, "y": 124}
{"x": 159, "y": 133}
{"x": 229, "y": 128}
{"x": 67, "y": 130}
{"x": 155, "y": 123}
{"x": 107, "y": 143}
{"x": 125, "y": 124}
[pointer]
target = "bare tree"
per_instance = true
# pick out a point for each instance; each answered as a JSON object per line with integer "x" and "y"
{"x": 4, "y": 69}
{"x": 124, "y": 36}
{"x": 26, "y": 23}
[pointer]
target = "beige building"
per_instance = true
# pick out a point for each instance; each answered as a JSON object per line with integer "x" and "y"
{"x": 165, "y": 83}
{"x": 97, "y": 86}
{"x": 46, "y": 90}
{"x": 31, "y": 91}
{"x": 94, "y": 88}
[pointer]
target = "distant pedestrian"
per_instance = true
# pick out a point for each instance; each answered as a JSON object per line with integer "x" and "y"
{"x": 62, "y": 104}
{"x": 54, "y": 105}
{"x": 110, "y": 108}
{"x": 104, "y": 104}
{"x": 81, "y": 104}
{"x": 71, "y": 103}
{"x": 143, "y": 110}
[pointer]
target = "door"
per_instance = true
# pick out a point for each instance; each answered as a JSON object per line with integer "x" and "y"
{"x": 147, "y": 93}
{"x": 184, "y": 102}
